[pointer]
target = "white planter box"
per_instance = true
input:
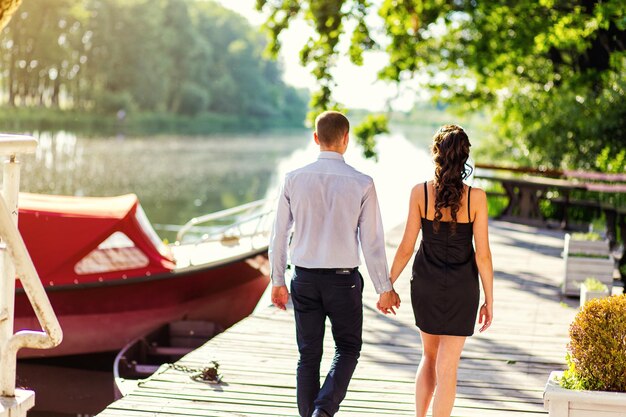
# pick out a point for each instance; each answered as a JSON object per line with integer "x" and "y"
{"x": 589, "y": 247}
{"x": 579, "y": 268}
{"x": 561, "y": 402}
{"x": 586, "y": 295}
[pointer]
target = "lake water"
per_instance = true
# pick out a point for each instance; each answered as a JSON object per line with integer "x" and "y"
{"x": 180, "y": 177}
{"x": 177, "y": 178}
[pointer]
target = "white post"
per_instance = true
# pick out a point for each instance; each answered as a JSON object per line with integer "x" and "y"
{"x": 15, "y": 260}
{"x": 10, "y": 192}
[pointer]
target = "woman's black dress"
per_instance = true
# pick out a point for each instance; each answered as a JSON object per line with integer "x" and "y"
{"x": 444, "y": 285}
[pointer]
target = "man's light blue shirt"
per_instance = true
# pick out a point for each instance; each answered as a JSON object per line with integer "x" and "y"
{"x": 333, "y": 207}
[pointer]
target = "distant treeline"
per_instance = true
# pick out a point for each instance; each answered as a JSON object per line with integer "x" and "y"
{"x": 155, "y": 56}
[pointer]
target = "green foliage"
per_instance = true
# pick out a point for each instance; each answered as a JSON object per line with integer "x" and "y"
{"x": 587, "y": 255}
{"x": 551, "y": 74}
{"x": 597, "y": 348}
{"x": 365, "y": 132}
{"x": 136, "y": 123}
{"x": 608, "y": 162}
{"x": 329, "y": 18}
{"x": 159, "y": 57}
{"x": 110, "y": 102}
{"x": 193, "y": 98}
{"x": 589, "y": 236}
{"x": 592, "y": 284}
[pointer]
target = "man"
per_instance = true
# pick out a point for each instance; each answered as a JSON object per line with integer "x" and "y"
{"x": 333, "y": 208}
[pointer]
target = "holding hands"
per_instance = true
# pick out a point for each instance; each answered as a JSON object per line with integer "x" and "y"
{"x": 387, "y": 301}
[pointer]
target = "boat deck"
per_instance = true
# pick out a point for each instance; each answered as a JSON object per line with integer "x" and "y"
{"x": 191, "y": 256}
{"x": 502, "y": 372}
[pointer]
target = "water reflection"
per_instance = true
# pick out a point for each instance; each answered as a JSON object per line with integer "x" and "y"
{"x": 175, "y": 177}
{"x": 77, "y": 386}
{"x": 180, "y": 177}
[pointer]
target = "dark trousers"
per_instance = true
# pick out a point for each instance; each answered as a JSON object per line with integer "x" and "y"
{"x": 315, "y": 296}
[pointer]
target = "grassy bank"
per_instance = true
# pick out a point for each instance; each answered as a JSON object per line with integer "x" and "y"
{"x": 17, "y": 120}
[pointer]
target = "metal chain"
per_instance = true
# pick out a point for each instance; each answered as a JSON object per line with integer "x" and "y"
{"x": 207, "y": 374}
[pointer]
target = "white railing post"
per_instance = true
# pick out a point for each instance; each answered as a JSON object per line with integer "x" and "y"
{"x": 14, "y": 259}
{"x": 216, "y": 216}
{"x": 10, "y": 191}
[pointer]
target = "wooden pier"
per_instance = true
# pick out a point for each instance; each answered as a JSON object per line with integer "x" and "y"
{"x": 502, "y": 372}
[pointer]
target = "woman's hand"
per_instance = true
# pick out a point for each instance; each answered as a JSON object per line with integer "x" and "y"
{"x": 485, "y": 316}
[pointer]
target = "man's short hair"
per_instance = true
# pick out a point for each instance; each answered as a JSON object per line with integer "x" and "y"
{"x": 331, "y": 126}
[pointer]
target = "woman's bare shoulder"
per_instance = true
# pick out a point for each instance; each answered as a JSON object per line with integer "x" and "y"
{"x": 478, "y": 196}
{"x": 417, "y": 197}
{"x": 418, "y": 190}
{"x": 477, "y": 191}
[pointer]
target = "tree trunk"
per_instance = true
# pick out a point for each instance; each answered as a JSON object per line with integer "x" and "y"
{"x": 12, "y": 81}
{"x": 55, "y": 92}
{"x": 41, "y": 91}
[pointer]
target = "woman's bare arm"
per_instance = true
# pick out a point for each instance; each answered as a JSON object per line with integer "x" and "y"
{"x": 411, "y": 231}
{"x": 483, "y": 254}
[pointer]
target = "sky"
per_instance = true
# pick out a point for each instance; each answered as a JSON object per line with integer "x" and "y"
{"x": 357, "y": 87}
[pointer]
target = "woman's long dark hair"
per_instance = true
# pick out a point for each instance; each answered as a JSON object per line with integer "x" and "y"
{"x": 450, "y": 152}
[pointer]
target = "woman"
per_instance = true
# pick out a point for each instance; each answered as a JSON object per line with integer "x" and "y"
{"x": 444, "y": 283}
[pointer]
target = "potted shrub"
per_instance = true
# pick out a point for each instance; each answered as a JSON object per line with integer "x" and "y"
{"x": 595, "y": 383}
{"x": 586, "y": 254}
{"x": 592, "y": 288}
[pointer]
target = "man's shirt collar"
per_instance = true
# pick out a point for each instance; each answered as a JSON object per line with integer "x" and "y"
{"x": 330, "y": 155}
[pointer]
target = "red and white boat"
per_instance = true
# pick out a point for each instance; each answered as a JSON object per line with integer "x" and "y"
{"x": 111, "y": 279}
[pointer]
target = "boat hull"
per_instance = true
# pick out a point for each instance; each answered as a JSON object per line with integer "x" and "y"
{"x": 107, "y": 316}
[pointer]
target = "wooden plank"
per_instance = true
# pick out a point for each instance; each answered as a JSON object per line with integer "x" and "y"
{"x": 502, "y": 372}
{"x": 607, "y": 188}
{"x": 113, "y": 412}
{"x": 395, "y": 392}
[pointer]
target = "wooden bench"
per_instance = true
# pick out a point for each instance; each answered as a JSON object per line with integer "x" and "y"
{"x": 525, "y": 193}
{"x": 525, "y": 187}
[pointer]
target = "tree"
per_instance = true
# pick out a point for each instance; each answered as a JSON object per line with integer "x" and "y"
{"x": 172, "y": 56}
{"x": 551, "y": 72}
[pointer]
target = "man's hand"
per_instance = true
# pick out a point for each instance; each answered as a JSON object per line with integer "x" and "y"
{"x": 387, "y": 301}
{"x": 280, "y": 296}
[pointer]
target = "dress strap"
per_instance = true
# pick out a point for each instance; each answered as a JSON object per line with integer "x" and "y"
{"x": 469, "y": 217}
{"x": 426, "y": 199}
